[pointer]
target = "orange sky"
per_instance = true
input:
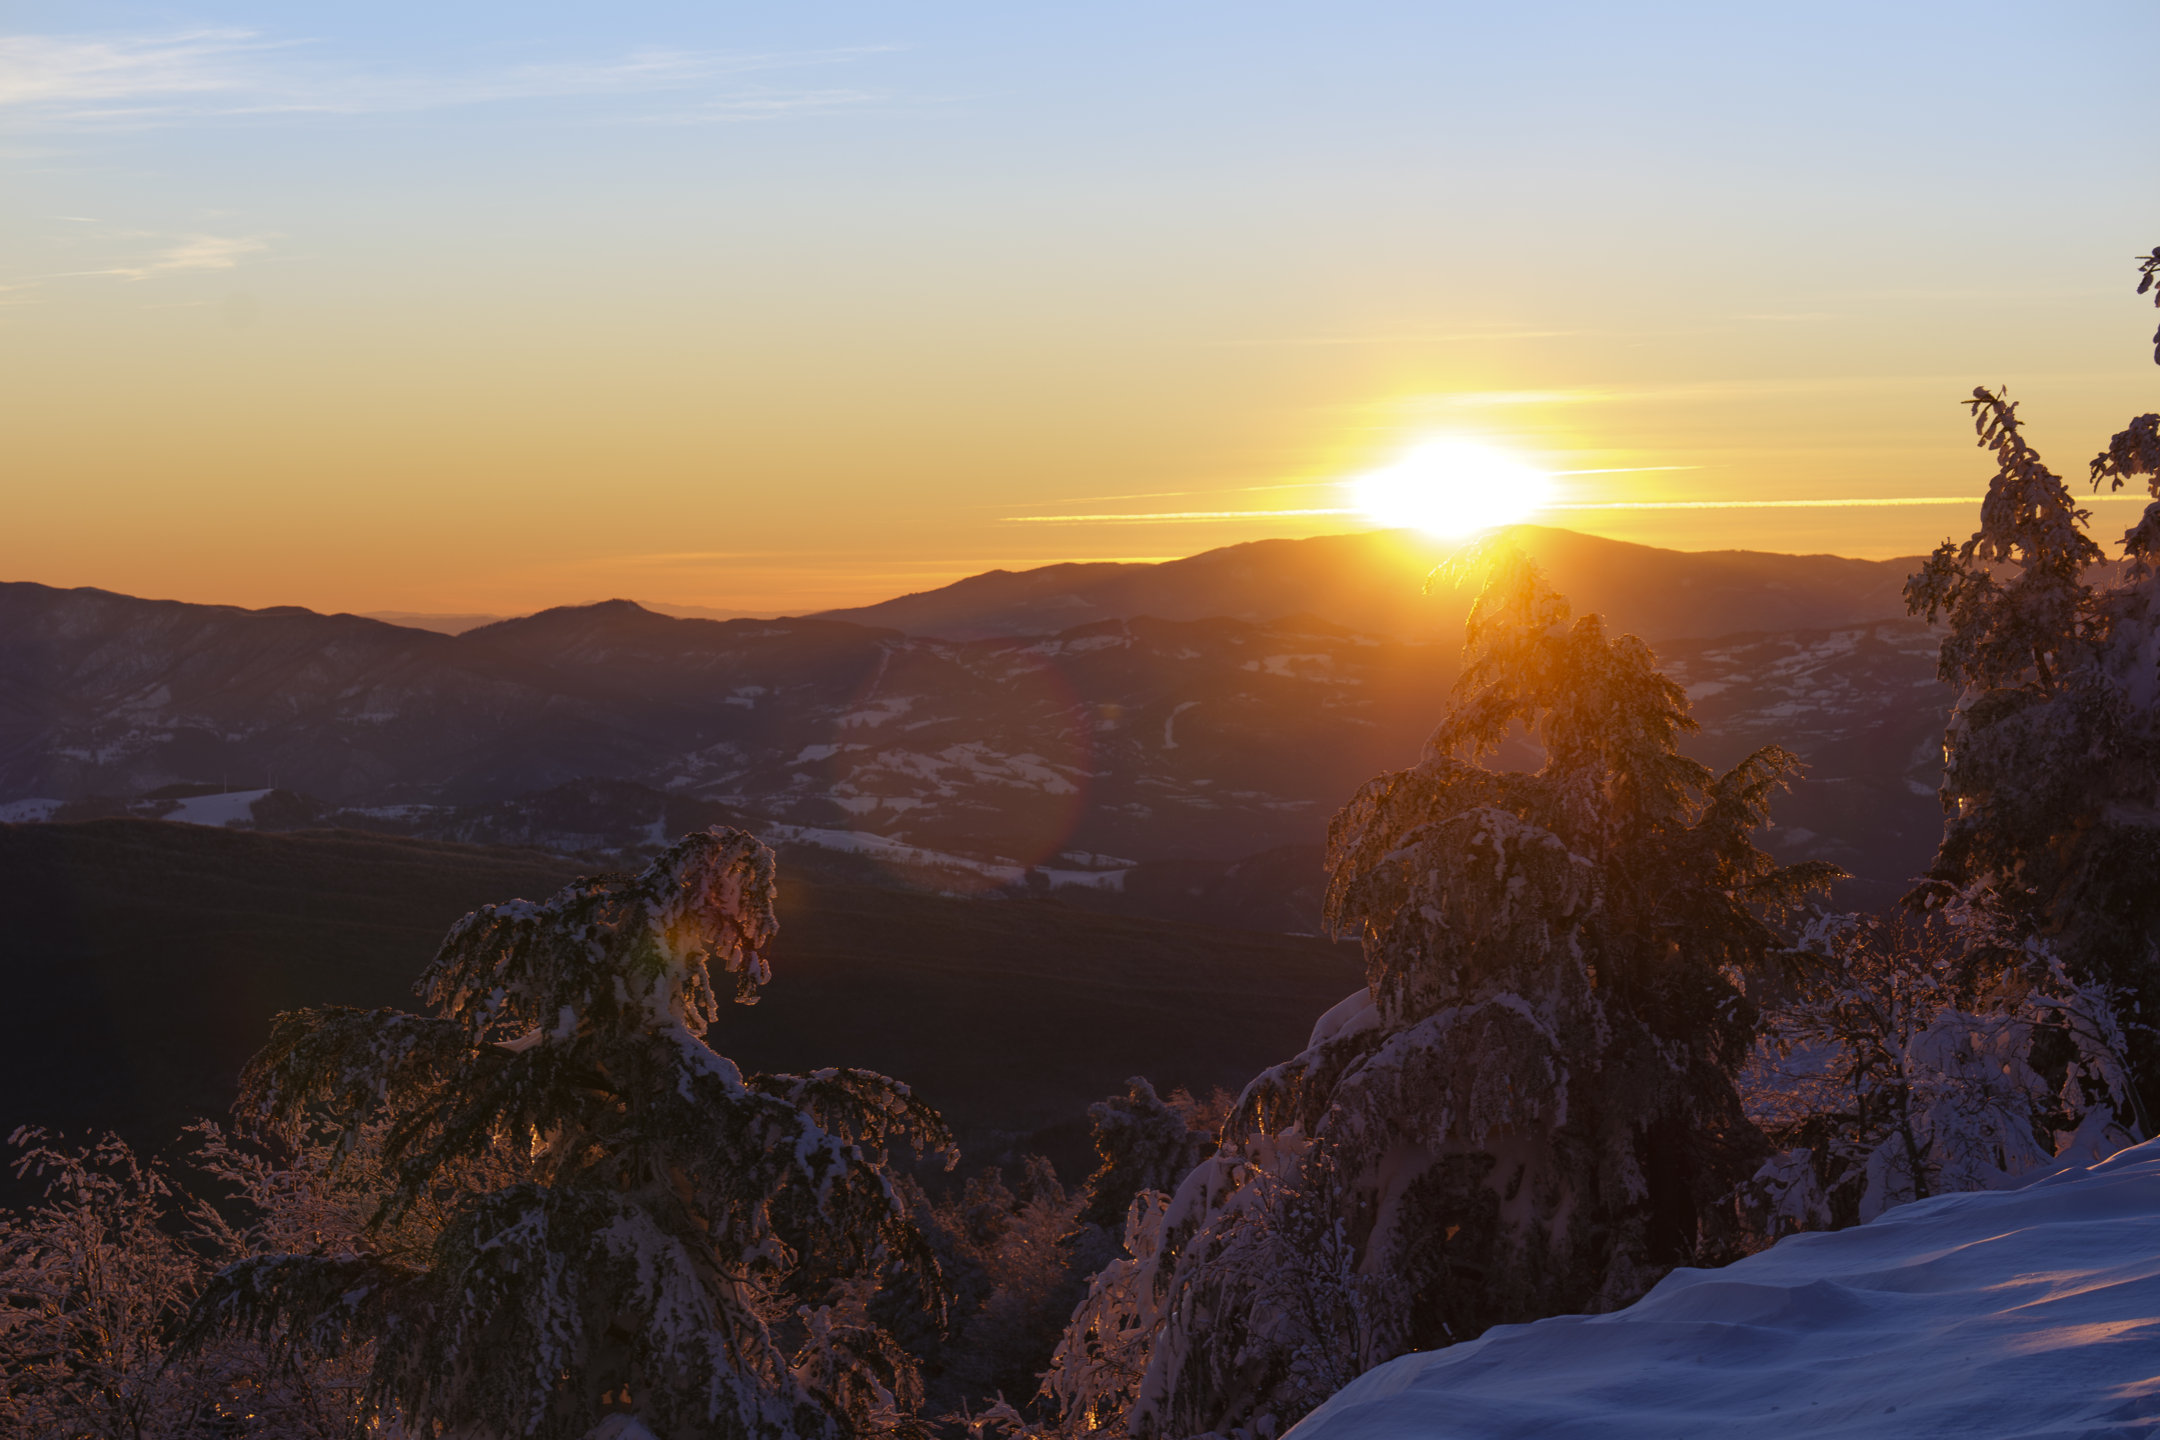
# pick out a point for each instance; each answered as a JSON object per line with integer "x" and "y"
{"x": 488, "y": 349}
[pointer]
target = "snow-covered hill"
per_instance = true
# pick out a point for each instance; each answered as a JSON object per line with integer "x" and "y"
{"x": 2032, "y": 1312}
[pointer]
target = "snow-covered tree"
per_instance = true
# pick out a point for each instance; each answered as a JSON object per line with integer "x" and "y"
{"x": 1908, "y": 1062}
{"x": 2051, "y": 787}
{"x": 1146, "y": 1142}
{"x": 629, "y": 1230}
{"x": 1530, "y": 1108}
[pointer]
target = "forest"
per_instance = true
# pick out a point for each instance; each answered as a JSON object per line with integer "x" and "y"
{"x": 1603, "y": 1033}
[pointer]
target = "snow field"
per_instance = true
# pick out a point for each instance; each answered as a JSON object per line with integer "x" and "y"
{"x": 231, "y": 807}
{"x": 1997, "y": 1314}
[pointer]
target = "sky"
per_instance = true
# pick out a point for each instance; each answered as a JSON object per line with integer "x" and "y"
{"x": 767, "y": 308}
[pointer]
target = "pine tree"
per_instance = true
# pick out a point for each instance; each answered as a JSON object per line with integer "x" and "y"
{"x": 1530, "y": 1108}
{"x": 629, "y": 1227}
{"x": 2051, "y": 784}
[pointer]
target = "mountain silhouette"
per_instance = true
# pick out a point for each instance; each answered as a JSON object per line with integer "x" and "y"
{"x": 1375, "y": 583}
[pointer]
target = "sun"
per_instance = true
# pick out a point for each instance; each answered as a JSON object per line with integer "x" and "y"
{"x": 1452, "y": 488}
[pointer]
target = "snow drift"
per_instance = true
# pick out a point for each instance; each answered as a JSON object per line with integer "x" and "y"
{"x": 2007, "y": 1313}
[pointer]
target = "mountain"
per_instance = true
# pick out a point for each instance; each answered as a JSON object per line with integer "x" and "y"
{"x": 1373, "y": 583}
{"x": 143, "y": 961}
{"x": 447, "y": 624}
{"x": 1197, "y": 741}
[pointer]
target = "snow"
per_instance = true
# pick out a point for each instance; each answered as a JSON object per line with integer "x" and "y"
{"x": 898, "y": 852}
{"x": 2002, "y": 1313}
{"x": 234, "y": 807}
{"x": 1080, "y": 646}
{"x": 28, "y": 812}
{"x": 1168, "y": 741}
{"x": 877, "y": 712}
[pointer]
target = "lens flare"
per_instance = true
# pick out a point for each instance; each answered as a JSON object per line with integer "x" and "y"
{"x": 1453, "y": 488}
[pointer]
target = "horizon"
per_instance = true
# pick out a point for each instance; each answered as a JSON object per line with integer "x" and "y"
{"x": 416, "y": 619}
{"x": 780, "y": 312}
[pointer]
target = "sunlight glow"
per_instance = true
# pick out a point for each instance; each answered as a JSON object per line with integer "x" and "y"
{"x": 1452, "y": 488}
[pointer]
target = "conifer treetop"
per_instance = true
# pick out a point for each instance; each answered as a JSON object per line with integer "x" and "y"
{"x": 633, "y": 1225}
{"x": 650, "y": 947}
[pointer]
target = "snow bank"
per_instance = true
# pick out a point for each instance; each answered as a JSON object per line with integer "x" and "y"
{"x": 2001, "y": 1314}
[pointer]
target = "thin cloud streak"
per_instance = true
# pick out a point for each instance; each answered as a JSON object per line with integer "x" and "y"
{"x": 75, "y": 69}
{"x": 1866, "y": 502}
{"x": 147, "y": 80}
{"x": 1624, "y": 470}
{"x": 1701, "y": 390}
{"x": 187, "y": 253}
{"x": 198, "y": 252}
{"x": 1860, "y": 502}
{"x": 1442, "y": 338}
{"x": 1319, "y": 485}
{"x": 1174, "y": 516}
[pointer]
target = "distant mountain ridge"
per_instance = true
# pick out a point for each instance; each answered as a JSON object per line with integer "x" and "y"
{"x": 1375, "y": 583}
{"x": 1126, "y": 739}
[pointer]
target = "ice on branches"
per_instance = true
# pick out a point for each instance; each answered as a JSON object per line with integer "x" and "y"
{"x": 1920, "y": 1055}
{"x": 1530, "y": 1108}
{"x": 2051, "y": 780}
{"x": 623, "y": 1223}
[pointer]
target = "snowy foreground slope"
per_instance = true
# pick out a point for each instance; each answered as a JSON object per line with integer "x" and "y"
{"x": 2012, "y": 1313}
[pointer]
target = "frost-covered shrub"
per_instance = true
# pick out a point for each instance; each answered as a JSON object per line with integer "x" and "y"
{"x": 96, "y": 1280}
{"x": 629, "y": 1226}
{"x": 92, "y": 1282}
{"x": 1530, "y": 1107}
{"x": 2051, "y": 786}
{"x": 1017, "y": 1258}
{"x": 1916, "y": 1058}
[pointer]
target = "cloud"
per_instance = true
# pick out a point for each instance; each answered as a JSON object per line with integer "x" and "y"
{"x": 70, "y": 70}
{"x": 1402, "y": 338}
{"x": 769, "y": 105}
{"x": 144, "y": 80}
{"x": 179, "y": 255}
{"x": 1172, "y": 517}
{"x": 196, "y": 252}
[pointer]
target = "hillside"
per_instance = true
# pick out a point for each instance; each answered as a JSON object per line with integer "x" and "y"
{"x": 143, "y": 961}
{"x": 1374, "y": 583}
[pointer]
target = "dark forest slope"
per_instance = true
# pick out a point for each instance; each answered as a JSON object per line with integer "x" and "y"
{"x": 142, "y": 962}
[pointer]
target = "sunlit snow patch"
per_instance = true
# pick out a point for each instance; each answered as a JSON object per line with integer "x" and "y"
{"x": 2014, "y": 1313}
